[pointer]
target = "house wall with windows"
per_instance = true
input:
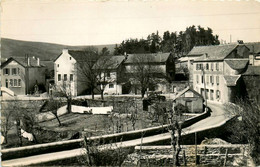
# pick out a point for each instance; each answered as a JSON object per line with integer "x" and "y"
{"x": 13, "y": 78}
{"x": 65, "y": 71}
{"x": 20, "y": 77}
{"x": 214, "y": 81}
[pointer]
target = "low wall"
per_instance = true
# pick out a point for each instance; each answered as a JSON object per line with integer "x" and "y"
{"x": 208, "y": 155}
{"x": 105, "y": 139}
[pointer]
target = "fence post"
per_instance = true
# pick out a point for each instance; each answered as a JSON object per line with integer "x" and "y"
{"x": 225, "y": 160}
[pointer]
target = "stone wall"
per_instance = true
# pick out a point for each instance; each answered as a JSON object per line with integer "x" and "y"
{"x": 207, "y": 155}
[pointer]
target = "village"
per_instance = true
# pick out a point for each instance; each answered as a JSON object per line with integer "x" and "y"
{"x": 180, "y": 98}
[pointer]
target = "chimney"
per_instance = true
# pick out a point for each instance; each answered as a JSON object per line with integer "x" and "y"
{"x": 38, "y": 61}
{"x": 240, "y": 42}
{"x": 64, "y": 51}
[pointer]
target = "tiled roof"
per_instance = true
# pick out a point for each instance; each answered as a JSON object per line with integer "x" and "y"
{"x": 231, "y": 80}
{"x": 214, "y": 52}
{"x": 79, "y": 55}
{"x": 185, "y": 90}
{"x": 23, "y": 61}
{"x": 108, "y": 62}
{"x": 237, "y": 64}
{"x": 151, "y": 57}
{"x": 254, "y": 47}
{"x": 252, "y": 70}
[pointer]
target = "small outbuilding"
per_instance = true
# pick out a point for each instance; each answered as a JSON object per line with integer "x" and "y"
{"x": 191, "y": 99}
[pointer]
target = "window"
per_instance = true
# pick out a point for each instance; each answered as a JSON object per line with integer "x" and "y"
{"x": 111, "y": 85}
{"x": 6, "y": 71}
{"x": 65, "y": 77}
{"x": 211, "y": 94}
{"x": 217, "y": 66}
{"x": 15, "y": 82}
{"x": 217, "y": 94}
{"x": 11, "y": 83}
{"x": 14, "y": 71}
{"x": 18, "y": 70}
{"x": 59, "y": 77}
{"x": 202, "y": 79}
{"x": 211, "y": 79}
{"x": 207, "y": 94}
{"x": 71, "y": 77}
{"x": 6, "y": 83}
{"x": 19, "y": 82}
{"x": 212, "y": 66}
{"x": 217, "y": 80}
{"x": 207, "y": 66}
{"x": 70, "y": 58}
{"x": 58, "y": 65}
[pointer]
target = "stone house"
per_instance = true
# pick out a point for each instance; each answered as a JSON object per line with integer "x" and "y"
{"x": 162, "y": 66}
{"x": 68, "y": 71}
{"x": 22, "y": 75}
{"x": 191, "y": 99}
{"x": 112, "y": 72}
{"x": 217, "y": 72}
{"x": 251, "y": 80}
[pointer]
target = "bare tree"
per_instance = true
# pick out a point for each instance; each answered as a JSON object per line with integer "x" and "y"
{"x": 64, "y": 90}
{"x": 247, "y": 128}
{"x": 53, "y": 105}
{"x": 144, "y": 74}
{"x": 7, "y": 122}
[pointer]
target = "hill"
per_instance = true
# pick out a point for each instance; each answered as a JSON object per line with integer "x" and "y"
{"x": 45, "y": 51}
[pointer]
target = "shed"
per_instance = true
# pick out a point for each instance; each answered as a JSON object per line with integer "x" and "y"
{"x": 190, "y": 98}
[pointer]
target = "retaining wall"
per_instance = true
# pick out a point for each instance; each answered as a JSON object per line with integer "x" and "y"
{"x": 207, "y": 155}
{"x": 105, "y": 139}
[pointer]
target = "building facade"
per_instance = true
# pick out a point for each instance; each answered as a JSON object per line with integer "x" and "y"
{"x": 112, "y": 74}
{"x": 191, "y": 99}
{"x": 160, "y": 65}
{"x": 22, "y": 75}
{"x": 67, "y": 71}
{"x": 217, "y": 72}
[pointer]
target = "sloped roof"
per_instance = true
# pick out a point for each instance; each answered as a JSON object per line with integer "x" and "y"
{"x": 214, "y": 52}
{"x": 231, "y": 80}
{"x": 254, "y": 47}
{"x": 153, "y": 57}
{"x": 109, "y": 62}
{"x": 252, "y": 70}
{"x": 23, "y": 62}
{"x": 237, "y": 64}
{"x": 184, "y": 91}
{"x": 79, "y": 55}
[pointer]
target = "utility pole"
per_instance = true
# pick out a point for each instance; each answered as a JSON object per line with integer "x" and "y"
{"x": 196, "y": 148}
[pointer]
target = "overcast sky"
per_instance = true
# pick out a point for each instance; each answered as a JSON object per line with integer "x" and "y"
{"x": 81, "y": 22}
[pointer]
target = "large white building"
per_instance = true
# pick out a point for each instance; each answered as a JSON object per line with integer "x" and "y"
{"x": 218, "y": 70}
{"x": 66, "y": 67}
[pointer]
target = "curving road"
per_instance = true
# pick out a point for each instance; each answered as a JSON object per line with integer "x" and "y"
{"x": 218, "y": 117}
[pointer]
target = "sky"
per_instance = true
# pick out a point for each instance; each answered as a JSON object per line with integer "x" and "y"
{"x": 89, "y": 22}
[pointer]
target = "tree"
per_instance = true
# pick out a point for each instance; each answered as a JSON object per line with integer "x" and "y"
{"x": 247, "y": 128}
{"x": 53, "y": 106}
{"x": 105, "y": 51}
{"x": 144, "y": 74}
{"x": 7, "y": 111}
{"x": 86, "y": 73}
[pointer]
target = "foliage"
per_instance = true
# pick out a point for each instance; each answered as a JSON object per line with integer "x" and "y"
{"x": 143, "y": 74}
{"x": 179, "y": 43}
{"x": 180, "y": 109}
{"x": 247, "y": 128}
